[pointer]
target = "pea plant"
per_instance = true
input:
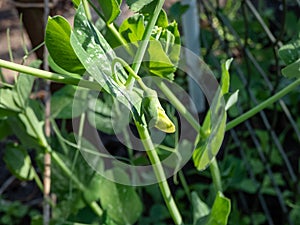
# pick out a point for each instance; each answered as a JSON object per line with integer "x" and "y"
{"x": 111, "y": 73}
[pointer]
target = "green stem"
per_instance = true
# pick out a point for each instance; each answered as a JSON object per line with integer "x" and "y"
{"x": 38, "y": 180}
{"x": 262, "y": 105}
{"x": 184, "y": 184}
{"x": 49, "y": 75}
{"x": 159, "y": 173}
{"x": 215, "y": 173}
{"x": 145, "y": 40}
{"x": 96, "y": 208}
{"x": 119, "y": 37}
{"x": 132, "y": 73}
{"x": 87, "y": 9}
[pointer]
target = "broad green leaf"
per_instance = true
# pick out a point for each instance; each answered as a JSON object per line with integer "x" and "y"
{"x": 57, "y": 40}
{"x": 220, "y": 211}
{"x": 92, "y": 191}
{"x": 137, "y": 5}
{"x": 76, "y": 3}
{"x": 33, "y": 125}
{"x": 23, "y": 86}
{"x": 19, "y": 129}
{"x": 105, "y": 115}
{"x": 66, "y": 105}
{"x": 290, "y": 53}
{"x": 292, "y": 70}
{"x": 4, "y": 113}
{"x": 4, "y": 128}
{"x": 7, "y": 100}
{"x": 157, "y": 62}
{"x": 18, "y": 162}
{"x": 169, "y": 38}
{"x": 162, "y": 20}
{"x": 121, "y": 202}
{"x": 60, "y": 70}
{"x": 200, "y": 209}
{"x": 214, "y": 126}
{"x": 132, "y": 29}
{"x": 110, "y": 9}
{"x": 93, "y": 51}
{"x": 96, "y": 55}
{"x": 208, "y": 145}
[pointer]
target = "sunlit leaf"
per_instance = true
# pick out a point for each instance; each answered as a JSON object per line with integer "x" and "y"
{"x": 292, "y": 70}
{"x": 110, "y": 9}
{"x": 57, "y": 40}
{"x": 200, "y": 209}
{"x": 209, "y": 142}
{"x": 132, "y": 29}
{"x": 18, "y": 162}
{"x": 290, "y": 52}
{"x": 121, "y": 202}
{"x": 220, "y": 211}
{"x": 7, "y": 100}
{"x": 137, "y": 5}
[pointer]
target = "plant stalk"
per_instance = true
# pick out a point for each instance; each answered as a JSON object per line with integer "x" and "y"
{"x": 262, "y": 105}
{"x": 60, "y": 78}
{"x": 159, "y": 173}
{"x": 145, "y": 40}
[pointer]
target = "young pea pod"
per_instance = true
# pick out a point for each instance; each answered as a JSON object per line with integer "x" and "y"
{"x": 155, "y": 114}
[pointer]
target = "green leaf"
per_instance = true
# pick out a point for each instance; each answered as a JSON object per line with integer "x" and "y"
{"x": 110, "y": 9}
{"x": 23, "y": 86}
{"x": 209, "y": 142}
{"x": 96, "y": 55}
{"x": 76, "y": 3}
{"x": 57, "y": 40}
{"x": 132, "y": 29}
{"x": 93, "y": 51}
{"x": 69, "y": 102}
{"x": 4, "y": 129}
{"x": 56, "y": 68}
{"x": 33, "y": 124}
{"x": 290, "y": 53}
{"x": 121, "y": 202}
{"x": 220, "y": 211}
{"x": 137, "y": 5}
{"x": 292, "y": 70}
{"x": 105, "y": 115}
{"x": 170, "y": 40}
{"x": 208, "y": 145}
{"x": 18, "y": 162}
{"x": 233, "y": 98}
{"x": 200, "y": 209}
{"x": 162, "y": 20}
{"x": 19, "y": 129}
{"x": 225, "y": 79}
{"x": 157, "y": 62}
{"x": 7, "y": 100}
